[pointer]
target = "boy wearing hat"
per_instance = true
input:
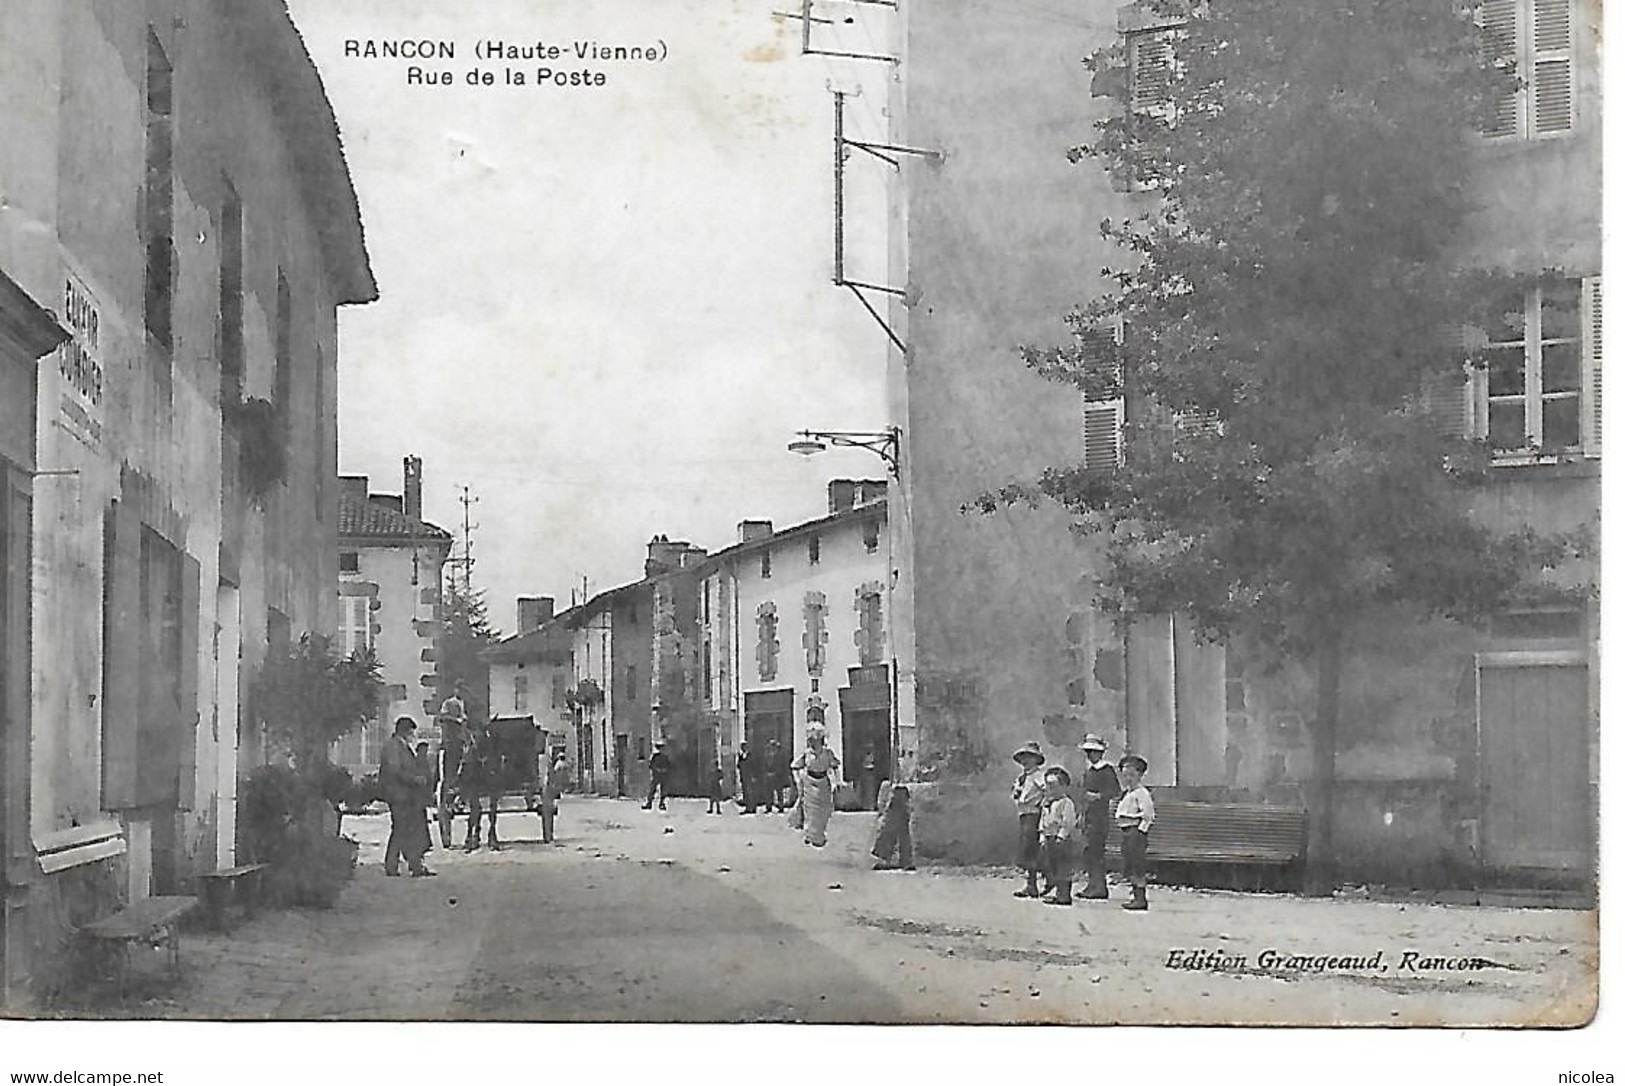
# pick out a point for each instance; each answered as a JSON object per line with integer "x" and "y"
{"x": 1100, "y": 791}
{"x": 1028, "y": 796}
{"x": 1135, "y": 813}
{"x": 1057, "y": 826}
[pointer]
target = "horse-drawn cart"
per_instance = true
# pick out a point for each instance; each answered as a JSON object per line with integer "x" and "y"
{"x": 485, "y": 770}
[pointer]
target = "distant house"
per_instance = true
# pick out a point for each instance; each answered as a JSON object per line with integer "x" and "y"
{"x": 390, "y": 560}
{"x": 795, "y": 628}
{"x": 530, "y": 674}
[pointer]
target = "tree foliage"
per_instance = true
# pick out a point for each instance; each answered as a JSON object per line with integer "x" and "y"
{"x": 467, "y": 632}
{"x": 1284, "y": 300}
{"x": 312, "y": 696}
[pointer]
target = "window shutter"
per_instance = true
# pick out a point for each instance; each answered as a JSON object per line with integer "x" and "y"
{"x": 1102, "y": 435}
{"x": 121, "y": 656}
{"x": 190, "y": 716}
{"x": 1553, "y": 78}
{"x": 1498, "y": 20}
{"x": 1591, "y": 366}
{"x": 1151, "y": 69}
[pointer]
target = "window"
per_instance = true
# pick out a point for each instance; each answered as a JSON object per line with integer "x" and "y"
{"x": 355, "y": 624}
{"x": 349, "y": 561}
{"x": 767, "y": 564}
{"x": 812, "y": 550}
{"x": 1531, "y": 42}
{"x": 631, "y": 682}
{"x": 1102, "y": 384}
{"x": 159, "y": 204}
{"x": 521, "y": 691}
{"x": 231, "y": 297}
{"x": 1152, "y": 68}
{"x": 871, "y": 536}
{"x": 1539, "y": 389}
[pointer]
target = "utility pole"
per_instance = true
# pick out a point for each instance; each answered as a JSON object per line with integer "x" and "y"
{"x": 468, "y": 500}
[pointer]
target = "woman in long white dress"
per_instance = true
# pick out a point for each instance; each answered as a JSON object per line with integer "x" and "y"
{"x": 815, "y": 776}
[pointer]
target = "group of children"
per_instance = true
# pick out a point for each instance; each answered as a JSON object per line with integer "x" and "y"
{"x": 1054, "y": 835}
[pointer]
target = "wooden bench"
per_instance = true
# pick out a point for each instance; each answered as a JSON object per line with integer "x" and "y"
{"x": 221, "y": 888}
{"x": 151, "y": 920}
{"x": 1262, "y": 839}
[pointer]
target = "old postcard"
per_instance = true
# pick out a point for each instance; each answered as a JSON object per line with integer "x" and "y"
{"x": 803, "y": 511}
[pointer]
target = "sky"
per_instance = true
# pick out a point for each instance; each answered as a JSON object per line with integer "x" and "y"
{"x": 605, "y": 309}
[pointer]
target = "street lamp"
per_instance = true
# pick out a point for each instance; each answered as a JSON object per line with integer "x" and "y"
{"x": 886, "y": 444}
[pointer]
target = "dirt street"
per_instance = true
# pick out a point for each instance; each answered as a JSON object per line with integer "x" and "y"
{"x": 640, "y": 915}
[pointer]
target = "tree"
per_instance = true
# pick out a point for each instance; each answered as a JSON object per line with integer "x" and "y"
{"x": 1279, "y": 315}
{"x": 312, "y": 697}
{"x": 467, "y": 633}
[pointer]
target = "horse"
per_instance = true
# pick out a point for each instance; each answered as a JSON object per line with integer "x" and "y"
{"x": 479, "y": 784}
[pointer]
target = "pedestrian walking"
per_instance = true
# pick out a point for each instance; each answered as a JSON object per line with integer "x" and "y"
{"x": 895, "y": 837}
{"x": 1057, "y": 826}
{"x": 1028, "y": 796}
{"x": 551, "y": 787}
{"x": 1135, "y": 814}
{"x": 776, "y": 777}
{"x": 868, "y": 781}
{"x": 401, "y": 781}
{"x": 816, "y": 768}
{"x": 750, "y": 771}
{"x": 659, "y": 766}
{"x": 714, "y": 791}
{"x": 1100, "y": 791}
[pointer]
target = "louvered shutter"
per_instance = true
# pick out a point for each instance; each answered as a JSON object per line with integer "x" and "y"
{"x": 1447, "y": 398}
{"x": 1151, "y": 70}
{"x": 121, "y": 656}
{"x": 1102, "y": 435}
{"x": 1591, "y": 366}
{"x": 1498, "y": 20}
{"x": 1552, "y": 81}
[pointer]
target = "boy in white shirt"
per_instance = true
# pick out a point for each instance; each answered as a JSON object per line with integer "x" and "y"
{"x": 1135, "y": 813}
{"x": 1057, "y": 828}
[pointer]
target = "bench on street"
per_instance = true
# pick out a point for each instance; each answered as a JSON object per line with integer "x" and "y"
{"x": 1260, "y": 838}
{"x": 240, "y": 884}
{"x": 154, "y": 921}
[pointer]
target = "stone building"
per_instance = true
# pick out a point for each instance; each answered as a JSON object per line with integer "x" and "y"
{"x": 390, "y": 562}
{"x": 794, "y": 628}
{"x": 530, "y": 675}
{"x": 175, "y": 191}
{"x": 992, "y": 241}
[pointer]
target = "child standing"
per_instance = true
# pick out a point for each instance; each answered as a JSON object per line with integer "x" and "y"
{"x": 894, "y": 835}
{"x": 1028, "y": 795}
{"x": 1135, "y": 813}
{"x": 715, "y": 792}
{"x": 1057, "y": 826}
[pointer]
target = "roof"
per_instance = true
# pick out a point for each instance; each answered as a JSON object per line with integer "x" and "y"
{"x": 268, "y": 38}
{"x": 875, "y": 510}
{"x": 549, "y": 643}
{"x": 376, "y": 521}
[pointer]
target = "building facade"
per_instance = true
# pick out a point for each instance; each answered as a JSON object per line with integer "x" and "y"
{"x": 794, "y": 628}
{"x": 390, "y": 562}
{"x": 530, "y": 675}
{"x": 999, "y": 641}
{"x": 177, "y": 192}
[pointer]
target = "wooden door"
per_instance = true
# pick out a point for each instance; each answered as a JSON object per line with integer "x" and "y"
{"x": 1534, "y": 747}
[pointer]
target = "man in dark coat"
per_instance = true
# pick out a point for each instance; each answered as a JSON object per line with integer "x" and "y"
{"x": 776, "y": 776}
{"x": 1100, "y": 791}
{"x": 750, "y": 777}
{"x": 659, "y": 766}
{"x": 401, "y": 779}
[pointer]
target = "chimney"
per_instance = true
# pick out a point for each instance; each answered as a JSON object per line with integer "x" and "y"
{"x": 754, "y": 529}
{"x": 842, "y": 493}
{"x": 533, "y": 612}
{"x": 353, "y": 486}
{"x": 412, "y": 487}
{"x": 870, "y": 491}
{"x": 667, "y": 554}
